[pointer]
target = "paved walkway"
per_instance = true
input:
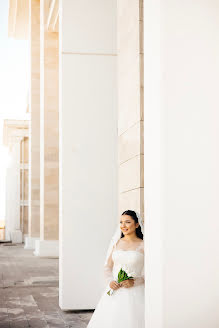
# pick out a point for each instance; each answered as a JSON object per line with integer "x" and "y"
{"x": 29, "y": 292}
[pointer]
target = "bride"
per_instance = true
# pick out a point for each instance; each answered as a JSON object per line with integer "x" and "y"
{"x": 124, "y": 307}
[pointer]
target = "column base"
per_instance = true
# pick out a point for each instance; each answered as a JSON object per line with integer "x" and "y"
{"x": 24, "y": 237}
{"x": 46, "y": 248}
{"x": 16, "y": 237}
{"x": 29, "y": 242}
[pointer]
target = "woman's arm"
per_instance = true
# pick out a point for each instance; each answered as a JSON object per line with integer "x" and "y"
{"x": 108, "y": 269}
{"x": 139, "y": 280}
{"x": 108, "y": 274}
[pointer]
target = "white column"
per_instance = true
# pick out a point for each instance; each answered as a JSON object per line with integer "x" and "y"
{"x": 34, "y": 143}
{"x": 181, "y": 163}
{"x": 48, "y": 245}
{"x": 13, "y": 224}
{"x": 8, "y": 207}
{"x": 88, "y": 147}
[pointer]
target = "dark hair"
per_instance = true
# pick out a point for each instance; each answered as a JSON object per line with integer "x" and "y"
{"x": 135, "y": 218}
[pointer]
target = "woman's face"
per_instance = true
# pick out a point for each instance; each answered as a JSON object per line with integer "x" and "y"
{"x": 127, "y": 225}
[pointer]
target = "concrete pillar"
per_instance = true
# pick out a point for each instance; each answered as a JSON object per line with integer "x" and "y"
{"x": 13, "y": 224}
{"x": 88, "y": 147}
{"x": 34, "y": 143}
{"x": 181, "y": 163}
{"x": 24, "y": 185}
{"x": 130, "y": 105}
{"x": 7, "y": 204}
{"x": 49, "y": 139}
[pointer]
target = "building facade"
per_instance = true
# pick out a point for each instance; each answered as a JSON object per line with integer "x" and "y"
{"x": 16, "y": 139}
{"x": 86, "y": 131}
{"x": 95, "y": 122}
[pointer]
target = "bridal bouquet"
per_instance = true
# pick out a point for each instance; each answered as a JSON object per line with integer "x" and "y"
{"x": 124, "y": 274}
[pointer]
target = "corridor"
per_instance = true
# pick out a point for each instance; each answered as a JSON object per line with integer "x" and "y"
{"x": 29, "y": 292}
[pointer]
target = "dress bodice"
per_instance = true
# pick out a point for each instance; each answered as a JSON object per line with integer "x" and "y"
{"x": 128, "y": 257}
{"x": 129, "y": 260}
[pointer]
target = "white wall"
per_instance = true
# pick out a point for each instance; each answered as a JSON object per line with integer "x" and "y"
{"x": 88, "y": 147}
{"x": 183, "y": 229}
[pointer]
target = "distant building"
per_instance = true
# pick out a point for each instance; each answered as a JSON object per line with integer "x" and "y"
{"x": 16, "y": 138}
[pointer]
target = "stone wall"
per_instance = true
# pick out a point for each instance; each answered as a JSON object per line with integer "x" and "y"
{"x": 130, "y": 105}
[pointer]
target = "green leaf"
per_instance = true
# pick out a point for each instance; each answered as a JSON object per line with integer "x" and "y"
{"x": 122, "y": 276}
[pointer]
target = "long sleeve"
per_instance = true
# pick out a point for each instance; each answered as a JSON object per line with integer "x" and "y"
{"x": 139, "y": 280}
{"x": 108, "y": 270}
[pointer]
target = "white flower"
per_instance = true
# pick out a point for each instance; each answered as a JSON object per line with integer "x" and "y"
{"x": 128, "y": 271}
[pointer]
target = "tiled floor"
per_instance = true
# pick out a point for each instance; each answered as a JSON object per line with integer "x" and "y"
{"x": 29, "y": 292}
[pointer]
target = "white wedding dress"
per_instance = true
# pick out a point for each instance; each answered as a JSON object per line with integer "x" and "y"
{"x": 125, "y": 307}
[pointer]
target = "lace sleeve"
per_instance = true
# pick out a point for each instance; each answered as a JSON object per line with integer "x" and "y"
{"x": 108, "y": 270}
{"x": 140, "y": 280}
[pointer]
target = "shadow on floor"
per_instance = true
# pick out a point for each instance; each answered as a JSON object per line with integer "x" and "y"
{"x": 29, "y": 292}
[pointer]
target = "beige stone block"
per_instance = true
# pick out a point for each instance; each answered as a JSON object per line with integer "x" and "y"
{"x": 128, "y": 25}
{"x": 51, "y": 186}
{"x": 35, "y": 182}
{"x": 51, "y": 131}
{"x": 51, "y": 114}
{"x": 142, "y": 137}
{"x": 35, "y": 203}
{"x": 26, "y": 150}
{"x": 141, "y": 37}
{"x": 129, "y": 78}
{"x": 131, "y": 142}
{"x": 141, "y": 72}
{"x": 128, "y": 99}
{"x": 51, "y": 152}
{"x": 35, "y": 157}
{"x": 141, "y": 10}
{"x": 49, "y": 110}
{"x": 25, "y": 231}
{"x": 142, "y": 171}
{"x": 142, "y": 104}
{"x": 34, "y": 225}
{"x": 34, "y": 192}
{"x": 35, "y": 123}
{"x": 131, "y": 174}
{"x": 130, "y": 64}
{"x": 132, "y": 200}
{"x": 51, "y": 228}
{"x": 26, "y": 178}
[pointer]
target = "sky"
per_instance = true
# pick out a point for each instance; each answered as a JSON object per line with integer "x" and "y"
{"x": 13, "y": 70}
{"x": 13, "y": 87}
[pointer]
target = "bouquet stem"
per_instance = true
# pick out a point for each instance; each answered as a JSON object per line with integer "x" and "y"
{"x": 122, "y": 276}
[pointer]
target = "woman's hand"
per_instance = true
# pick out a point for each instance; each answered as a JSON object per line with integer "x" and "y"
{"x": 114, "y": 285}
{"x": 127, "y": 283}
